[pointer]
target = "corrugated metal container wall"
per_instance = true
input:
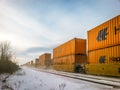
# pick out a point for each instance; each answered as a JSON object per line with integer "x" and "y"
{"x": 67, "y": 63}
{"x": 64, "y": 67}
{"x": 43, "y": 58}
{"x": 66, "y": 55}
{"x": 64, "y": 49}
{"x": 71, "y": 59}
{"x": 74, "y": 46}
{"x": 80, "y": 46}
{"x": 104, "y": 35}
{"x": 65, "y": 60}
{"x": 80, "y": 59}
{"x": 106, "y": 55}
{"x": 104, "y": 49}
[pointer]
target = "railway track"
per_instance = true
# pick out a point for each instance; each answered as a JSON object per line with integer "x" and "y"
{"x": 108, "y": 81}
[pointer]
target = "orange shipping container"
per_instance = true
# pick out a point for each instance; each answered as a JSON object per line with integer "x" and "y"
{"x": 43, "y": 58}
{"x": 105, "y": 35}
{"x": 70, "y": 59}
{"x": 74, "y": 46}
{"x": 106, "y": 55}
{"x": 64, "y": 60}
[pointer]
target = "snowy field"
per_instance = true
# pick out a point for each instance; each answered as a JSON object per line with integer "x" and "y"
{"x": 31, "y": 79}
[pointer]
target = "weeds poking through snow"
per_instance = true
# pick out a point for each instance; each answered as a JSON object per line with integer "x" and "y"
{"x": 5, "y": 87}
{"x": 62, "y": 86}
{"x": 52, "y": 89}
{"x": 26, "y": 89}
{"x": 20, "y": 72}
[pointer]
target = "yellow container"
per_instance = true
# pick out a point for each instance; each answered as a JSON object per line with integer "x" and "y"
{"x": 64, "y": 67}
{"x": 103, "y": 69}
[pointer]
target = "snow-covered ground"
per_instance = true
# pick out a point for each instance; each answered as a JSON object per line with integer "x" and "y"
{"x": 31, "y": 79}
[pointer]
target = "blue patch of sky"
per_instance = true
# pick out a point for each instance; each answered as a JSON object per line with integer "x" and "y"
{"x": 42, "y": 10}
{"x": 44, "y": 7}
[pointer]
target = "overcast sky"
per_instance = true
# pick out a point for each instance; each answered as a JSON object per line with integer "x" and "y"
{"x": 37, "y": 26}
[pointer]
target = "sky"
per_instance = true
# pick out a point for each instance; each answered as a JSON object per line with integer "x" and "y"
{"x": 34, "y": 27}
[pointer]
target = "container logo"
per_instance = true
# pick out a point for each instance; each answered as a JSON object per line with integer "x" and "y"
{"x": 102, "y": 59}
{"x": 102, "y": 34}
{"x": 116, "y": 29}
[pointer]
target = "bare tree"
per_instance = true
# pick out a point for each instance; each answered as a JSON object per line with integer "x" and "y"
{"x": 6, "y": 58}
{"x": 5, "y": 53}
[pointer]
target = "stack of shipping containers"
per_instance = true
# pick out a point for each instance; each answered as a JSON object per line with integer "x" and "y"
{"x": 36, "y": 62}
{"x": 68, "y": 54}
{"x": 31, "y": 62}
{"x": 104, "y": 48}
{"x": 46, "y": 57}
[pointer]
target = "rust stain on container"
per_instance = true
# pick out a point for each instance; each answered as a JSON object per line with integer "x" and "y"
{"x": 105, "y": 35}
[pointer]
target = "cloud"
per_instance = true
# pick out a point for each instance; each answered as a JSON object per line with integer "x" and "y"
{"x": 35, "y": 27}
{"x": 22, "y": 31}
{"x": 18, "y": 27}
{"x": 38, "y": 49}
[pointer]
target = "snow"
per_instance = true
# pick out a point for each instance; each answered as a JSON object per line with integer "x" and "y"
{"x": 31, "y": 79}
{"x": 3, "y": 77}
